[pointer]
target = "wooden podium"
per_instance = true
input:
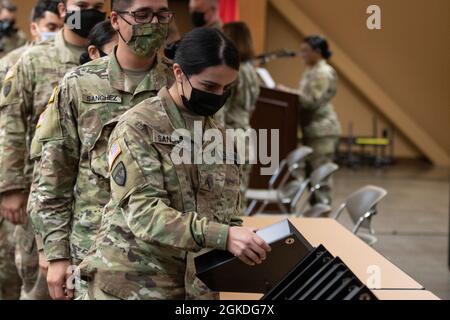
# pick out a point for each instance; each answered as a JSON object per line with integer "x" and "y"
{"x": 275, "y": 110}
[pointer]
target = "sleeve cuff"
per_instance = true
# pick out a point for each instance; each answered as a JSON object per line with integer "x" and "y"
{"x": 58, "y": 250}
{"x": 216, "y": 236}
{"x": 236, "y": 221}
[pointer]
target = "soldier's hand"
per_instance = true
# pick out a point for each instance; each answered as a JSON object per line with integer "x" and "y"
{"x": 43, "y": 263}
{"x": 13, "y": 206}
{"x": 57, "y": 275}
{"x": 246, "y": 245}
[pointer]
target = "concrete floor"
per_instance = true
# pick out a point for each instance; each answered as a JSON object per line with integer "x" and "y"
{"x": 412, "y": 222}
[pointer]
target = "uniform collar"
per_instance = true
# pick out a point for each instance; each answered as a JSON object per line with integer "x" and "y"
{"x": 153, "y": 81}
{"x": 319, "y": 64}
{"x": 172, "y": 110}
{"x": 65, "y": 54}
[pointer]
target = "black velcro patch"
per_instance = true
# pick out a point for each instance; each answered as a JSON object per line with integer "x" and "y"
{"x": 119, "y": 174}
{"x": 7, "y": 88}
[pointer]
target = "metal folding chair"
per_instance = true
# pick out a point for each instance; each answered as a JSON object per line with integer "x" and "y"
{"x": 280, "y": 190}
{"x": 362, "y": 206}
{"x": 317, "y": 180}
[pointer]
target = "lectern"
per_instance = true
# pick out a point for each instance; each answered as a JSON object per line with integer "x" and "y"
{"x": 275, "y": 109}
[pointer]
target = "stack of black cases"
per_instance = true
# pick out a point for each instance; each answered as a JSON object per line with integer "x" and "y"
{"x": 293, "y": 270}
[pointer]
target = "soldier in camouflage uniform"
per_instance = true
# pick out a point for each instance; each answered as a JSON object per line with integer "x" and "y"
{"x": 237, "y": 112}
{"x": 10, "y": 37}
{"x": 45, "y": 20}
{"x": 318, "y": 120}
{"x": 162, "y": 211}
{"x": 10, "y": 282}
{"x": 26, "y": 90}
{"x": 73, "y": 185}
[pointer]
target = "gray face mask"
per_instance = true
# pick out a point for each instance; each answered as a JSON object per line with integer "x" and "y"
{"x": 46, "y": 36}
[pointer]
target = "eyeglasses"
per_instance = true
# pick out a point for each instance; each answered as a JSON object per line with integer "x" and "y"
{"x": 146, "y": 16}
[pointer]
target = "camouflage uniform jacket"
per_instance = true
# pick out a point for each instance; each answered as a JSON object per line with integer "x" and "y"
{"x": 26, "y": 90}
{"x": 159, "y": 211}
{"x": 317, "y": 87}
{"x": 72, "y": 189}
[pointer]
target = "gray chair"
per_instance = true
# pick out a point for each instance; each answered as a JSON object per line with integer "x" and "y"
{"x": 317, "y": 180}
{"x": 289, "y": 196}
{"x": 362, "y": 206}
{"x": 280, "y": 190}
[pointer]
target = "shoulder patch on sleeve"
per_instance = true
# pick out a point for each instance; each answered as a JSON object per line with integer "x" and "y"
{"x": 11, "y": 74}
{"x": 114, "y": 152}
{"x": 119, "y": 174}
{"x": 54, "y": 94}
{"x": 41, "y": 119}
{"x": 7, "y": 88}
{"x": 50, "y": 126}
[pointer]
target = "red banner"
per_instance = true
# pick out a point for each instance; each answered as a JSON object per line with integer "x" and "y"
{"x": 229, "y": 10}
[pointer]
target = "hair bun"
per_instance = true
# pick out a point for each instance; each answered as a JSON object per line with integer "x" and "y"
{"x": 171, "y": 49}
{"x": 328, "y": 54}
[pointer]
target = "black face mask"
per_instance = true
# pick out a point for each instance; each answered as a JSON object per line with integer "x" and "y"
{"x": 198, "y": 19}
{"x": 84, "y": 58}
{"x": 6, "y": 26}
{"x": 204, "y": 103}
{"x": 89, "y": 18}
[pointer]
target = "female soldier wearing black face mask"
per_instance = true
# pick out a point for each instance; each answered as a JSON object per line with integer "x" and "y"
{"x": 102, "y": 40}
{"x": 160, "y": 211}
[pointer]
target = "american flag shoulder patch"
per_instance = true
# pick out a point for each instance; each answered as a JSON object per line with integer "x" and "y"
{"x": 114, "y": 152}
{"x": 41, "y": 119}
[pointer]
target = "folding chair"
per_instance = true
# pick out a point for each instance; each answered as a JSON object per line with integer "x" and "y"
{"x": 361, "y": 207}
{"x": 280, "y": 191}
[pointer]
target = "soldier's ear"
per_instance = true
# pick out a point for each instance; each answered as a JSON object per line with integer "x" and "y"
{"x": 178, "y": 73}
{"x": 114, "y": 20}
{"x": 93, "y": 52}
{"x": 34, "y": 30}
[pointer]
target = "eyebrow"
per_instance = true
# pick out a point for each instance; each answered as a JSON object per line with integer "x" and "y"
{"x": 165, "y": 8}
{"x": 98, "y": 4}
{"x": 211, "y": 83}
{"x": 78, "y": 3}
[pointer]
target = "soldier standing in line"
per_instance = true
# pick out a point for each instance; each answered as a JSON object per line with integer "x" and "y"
{"x": 72, "y": 187}
{"x": 45, "y": 21}
{"x": 26, "y": 91}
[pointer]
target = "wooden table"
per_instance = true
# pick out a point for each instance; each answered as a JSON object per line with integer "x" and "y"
{"x": 363, "y": 260}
